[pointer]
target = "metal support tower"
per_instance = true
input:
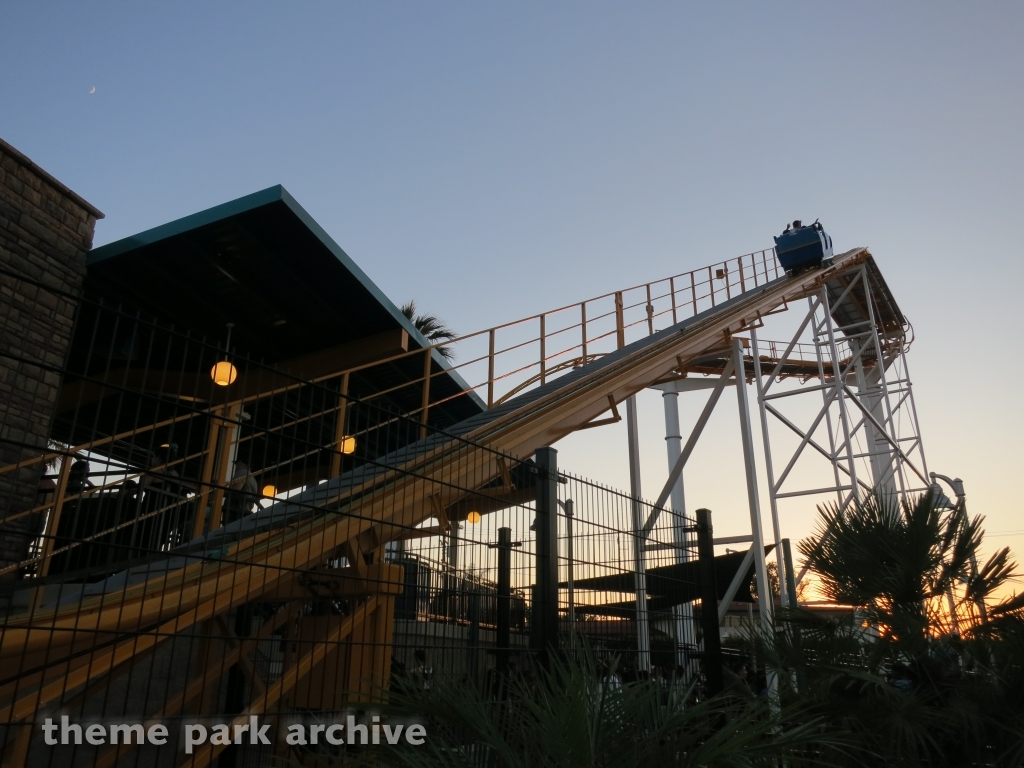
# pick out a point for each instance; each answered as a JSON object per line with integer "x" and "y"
{"x": 865, "y": 427}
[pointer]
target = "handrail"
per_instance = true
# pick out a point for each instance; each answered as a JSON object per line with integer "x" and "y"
{"x": 256, "y": 565}
{"x": 685, "y": 294}
{"x": 698, "y": 288}
{"x": 515, "y": 366}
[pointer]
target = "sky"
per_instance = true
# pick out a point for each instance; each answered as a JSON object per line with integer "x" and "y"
{"x": 496, "y": 160}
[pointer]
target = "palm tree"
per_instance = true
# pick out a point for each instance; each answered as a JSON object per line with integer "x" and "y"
{"x": 906, "y": 565}
{"x": 917, "y": 674}
{"x": 431, "y": 327}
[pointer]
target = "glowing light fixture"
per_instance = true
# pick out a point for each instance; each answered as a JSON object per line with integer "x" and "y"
{"x": 473, "y": 518}
{"x": 224, "y": 373}
{"x": 269, "y": 491}
{"x": 347, "y": 445}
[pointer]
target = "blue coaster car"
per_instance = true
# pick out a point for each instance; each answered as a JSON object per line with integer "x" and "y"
{"x": 800, "y": 247}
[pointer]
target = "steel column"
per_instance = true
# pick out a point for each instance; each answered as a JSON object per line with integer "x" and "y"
{"x": 837, "y": 376}
{"x": 504, "y": 599}
{"x": 813, "y": 305}
{"x": 784, "y": 592}
{"x": 570, "y": 557}
{"x": 683, "y": 613}
{"x": 750, "y": 468}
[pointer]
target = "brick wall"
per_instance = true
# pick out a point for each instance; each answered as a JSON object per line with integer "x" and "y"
{"x": 45, "y": 232}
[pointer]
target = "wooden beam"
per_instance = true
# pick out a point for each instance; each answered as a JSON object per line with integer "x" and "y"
{"x": 250, "y": 568}
{"x": 203, "y": 590}
{"x": 377, "y": 579}
{"x": 487, "y": 500}
{"x": 439, "y": 511}
{"x": 428, "y": 361}
{"x": 287, "y": 681}
{"x": 222, "y": 470}
{"x": 197, "y": 592}
{"x": 198, "y": 684}
{"x": 506, "y": 478}
{"x": 615, "y": 417}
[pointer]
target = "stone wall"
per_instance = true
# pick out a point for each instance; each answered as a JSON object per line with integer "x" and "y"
{"x": 45, "y": 232}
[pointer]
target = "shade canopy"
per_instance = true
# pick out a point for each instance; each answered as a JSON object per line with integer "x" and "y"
{"x": 290, "y": 292}
{"x": 246, "y": 302}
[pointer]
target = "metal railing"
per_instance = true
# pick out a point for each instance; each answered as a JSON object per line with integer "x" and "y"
{"x": 154, "y": 472}
{"x": 500, "y": 362}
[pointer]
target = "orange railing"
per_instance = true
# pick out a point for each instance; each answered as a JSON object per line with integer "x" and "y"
{"x": 499, "y": 362}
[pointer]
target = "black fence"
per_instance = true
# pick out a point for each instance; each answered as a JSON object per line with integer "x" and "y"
{"x": 214, "y": 539}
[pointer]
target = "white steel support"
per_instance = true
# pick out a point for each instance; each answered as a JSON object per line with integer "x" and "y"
{"x": 825, "y": 402}
{"x": 870, "y": 386}
{"x": 886, "y": 358}
{"x": 838, "y": 375}
{"x": 735, "y": 584}
{"x": 866, "y": 409}
{"x": 750, "y": 469}
{"x": 912, "y": 416}
{"x": 643, "y": 638}
{"x": 676, "y": 469}
{"x": 765, "y": 600}
{"x": 787, "y": 599}
{"x": 682, "y": 614}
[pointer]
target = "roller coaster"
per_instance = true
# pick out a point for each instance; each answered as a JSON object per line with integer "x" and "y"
{"x": 537, "y": 380}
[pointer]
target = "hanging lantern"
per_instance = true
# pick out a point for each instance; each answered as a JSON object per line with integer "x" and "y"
{"x": 269, "y": 491}
{"x": 473, "y": 518}
{"x": 223, "y": 373}
{"x": 347, "y": 445}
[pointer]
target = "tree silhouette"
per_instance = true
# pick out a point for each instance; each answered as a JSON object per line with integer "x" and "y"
{"x": 431, "y": 327}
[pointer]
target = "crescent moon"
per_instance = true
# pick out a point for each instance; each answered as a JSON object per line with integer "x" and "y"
{"x": 93, "y": 89}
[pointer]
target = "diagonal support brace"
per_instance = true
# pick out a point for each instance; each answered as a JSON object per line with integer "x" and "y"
{"x": 734, "y": 585}
{"x": 698, "y": 429}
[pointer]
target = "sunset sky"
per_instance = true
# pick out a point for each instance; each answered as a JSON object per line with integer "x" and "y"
{"x": 496, "y": 160}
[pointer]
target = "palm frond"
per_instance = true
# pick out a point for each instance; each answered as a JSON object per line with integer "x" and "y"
{"x": 432, "y": 328}
{"x": 994, "y": 574}
{"x": 565, "y": 716}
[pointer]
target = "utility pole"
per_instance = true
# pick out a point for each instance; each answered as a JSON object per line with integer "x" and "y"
{"x": 544, "y": 632}
{"x": 503, "y": 640}
{"x": 709, "y": 603}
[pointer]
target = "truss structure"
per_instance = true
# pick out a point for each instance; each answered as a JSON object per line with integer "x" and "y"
{"x": 64, "y": 639}
{"x": 865, "y": 423}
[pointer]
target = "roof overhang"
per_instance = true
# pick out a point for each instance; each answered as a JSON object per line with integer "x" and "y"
{"x": 263, "y": 264}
